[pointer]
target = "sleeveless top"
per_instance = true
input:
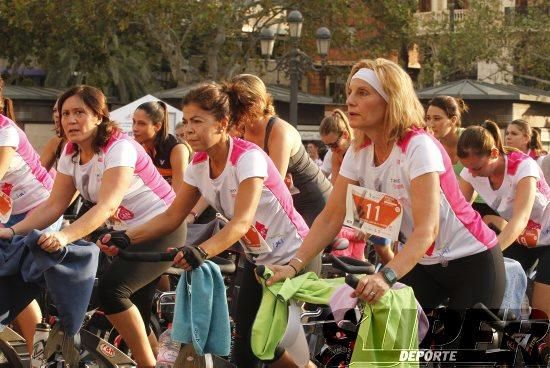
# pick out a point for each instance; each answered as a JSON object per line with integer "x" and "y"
{"x": 307, "y": 177}
{"x": 161, "y": 156}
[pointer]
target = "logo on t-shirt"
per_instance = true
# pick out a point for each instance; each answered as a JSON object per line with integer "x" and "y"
{"x": 124, "y": 214}
{"x": 6, "y": 188}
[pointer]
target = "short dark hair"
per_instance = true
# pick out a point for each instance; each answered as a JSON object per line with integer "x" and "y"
{"x": 96, "y": 101}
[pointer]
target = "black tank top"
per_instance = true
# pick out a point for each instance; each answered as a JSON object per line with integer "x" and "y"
{"x": 304, "y": 171}
{"x": 161, "y": 156}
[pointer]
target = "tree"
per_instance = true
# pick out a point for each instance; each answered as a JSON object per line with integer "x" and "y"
{"x": 517, "y": 43}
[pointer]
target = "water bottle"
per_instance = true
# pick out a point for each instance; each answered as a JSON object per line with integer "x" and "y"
{"x": 39, "y": 345}
{"x": 168, "y": 349}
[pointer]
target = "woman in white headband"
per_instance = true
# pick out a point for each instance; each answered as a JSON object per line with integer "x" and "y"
{"x": 448, "y": 252}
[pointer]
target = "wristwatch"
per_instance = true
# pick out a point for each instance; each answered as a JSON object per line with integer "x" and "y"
{"x": 389, "y": 276}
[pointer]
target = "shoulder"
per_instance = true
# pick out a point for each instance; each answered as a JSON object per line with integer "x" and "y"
{"x": 243, "y": 148}
{"x": 518, "y": 160}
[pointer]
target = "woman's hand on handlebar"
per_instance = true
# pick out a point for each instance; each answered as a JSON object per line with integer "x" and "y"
{"x": 371, "y": 288}
{"x": 280, "y": 273}
{"x": 52, "y": 241}
{"x": 188, "y": 258}
{"x": 111, "y": 242}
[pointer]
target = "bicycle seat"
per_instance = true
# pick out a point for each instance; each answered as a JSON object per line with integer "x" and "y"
{"x": 352, "y": 265}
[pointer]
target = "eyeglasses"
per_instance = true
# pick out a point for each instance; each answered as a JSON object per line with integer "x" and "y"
{"x": 335, "y": 143}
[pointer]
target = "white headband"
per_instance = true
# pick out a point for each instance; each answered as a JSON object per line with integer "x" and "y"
{"x": 370, "y": 77}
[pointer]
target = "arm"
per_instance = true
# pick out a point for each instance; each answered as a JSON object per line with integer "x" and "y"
{"x": 280, "y": 148}
{"x": 325, "y": 227}
{"x": 47, "y": 157}
{"x": 53, "y": 207}
{"x": 523, "y": 205}
{"x": 179, "y": 157}
{"x": 246, "y": 204}
{"x": 114, "y": 185}
{"x": 199, "y": 208}
{"x": 425, "y": 209}
{"x": 169, "y": 220}
{"x": 6, "y": 154}
{"x": 336, "y": 164}
{"x": 467, "y": 190}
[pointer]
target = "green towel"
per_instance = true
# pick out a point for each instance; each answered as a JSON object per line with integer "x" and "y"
{"x": 272, "y": 317}
{"x": 387, "y": 328}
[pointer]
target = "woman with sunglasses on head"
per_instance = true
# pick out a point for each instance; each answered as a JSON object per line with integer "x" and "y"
{"x": 521, "y": 136}
{"x": 253, "y": 111}
{"x": 448, "y": 251}
{"x": 337, "y": 135}
{"x": 512, "y": 184}
{"x": 115, "y": 174}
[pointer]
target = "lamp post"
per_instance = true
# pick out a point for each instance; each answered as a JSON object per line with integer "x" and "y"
{"x": 295, "y": 62}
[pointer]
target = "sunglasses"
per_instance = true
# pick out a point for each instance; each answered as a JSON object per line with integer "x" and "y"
{"x": 335, "y": 143}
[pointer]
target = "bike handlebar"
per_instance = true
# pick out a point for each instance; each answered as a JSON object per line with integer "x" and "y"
{"x": 226, "y": 266}
{"x": 167, "y": 256}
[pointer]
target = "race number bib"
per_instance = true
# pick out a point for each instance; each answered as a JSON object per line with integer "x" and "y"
{"x": 529, "y": 237}
{"x": 373, "y": 212}
{"x": 252, "y": 242}
{"x": 5, "y": 207}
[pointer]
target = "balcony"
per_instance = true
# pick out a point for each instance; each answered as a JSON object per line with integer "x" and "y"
{"x": 438, "y": 21}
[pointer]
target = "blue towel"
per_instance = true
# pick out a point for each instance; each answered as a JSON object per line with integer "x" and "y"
{"x": 67, "y": 274}
{"x": 201, "y": 315}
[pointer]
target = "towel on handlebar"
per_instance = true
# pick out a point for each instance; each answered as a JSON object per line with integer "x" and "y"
{"x": 68, "y": 274}
{"x": 272, "y": 317}
{"x": 387, "y": 328}
{"x": 201, "y": 314}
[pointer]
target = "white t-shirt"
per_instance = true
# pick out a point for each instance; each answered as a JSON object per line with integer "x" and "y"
{"x": 148, "y": 195}
{"x": 518, "y": 166}
{"x": 461, "y": 230}
{"x": 276, "y": 219}
{"x": 326, "y": 166}
{"x": 26, "y": 182}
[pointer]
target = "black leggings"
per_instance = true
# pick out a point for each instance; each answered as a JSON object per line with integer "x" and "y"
{"x": 248, "y": 303}
{"x": 125, "y": 283}
{"x": 466, "y": 281}
{"x": 527, "y": 257}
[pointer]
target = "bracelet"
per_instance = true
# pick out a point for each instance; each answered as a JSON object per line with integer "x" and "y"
{"x": 13, "y": 231}
{"x": 299, "y": 260}
{"x": 194, "y": 214}
{"x": 203, "y": 253}
{"x": 294, "y": 268}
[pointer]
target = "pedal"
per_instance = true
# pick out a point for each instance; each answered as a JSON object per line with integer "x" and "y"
{"x": 188, "y": 358}
{"x": 58, "y": 341}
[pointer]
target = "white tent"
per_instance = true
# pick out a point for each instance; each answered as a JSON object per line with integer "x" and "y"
{"x": 123, "y": 115}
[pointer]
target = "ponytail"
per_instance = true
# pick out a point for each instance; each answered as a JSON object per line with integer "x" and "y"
{"x": 337, "y": 122}
{"x": 535, "y": 143}
{"x": 480, "y": 140}
{"x": 452, "y": 106}
{"x": 8, "y": 109}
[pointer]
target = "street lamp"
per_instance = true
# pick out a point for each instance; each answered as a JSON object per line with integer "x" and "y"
{"x": 295, "y": 62}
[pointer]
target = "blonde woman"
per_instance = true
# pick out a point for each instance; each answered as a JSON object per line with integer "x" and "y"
{"x": 448, "y": 251}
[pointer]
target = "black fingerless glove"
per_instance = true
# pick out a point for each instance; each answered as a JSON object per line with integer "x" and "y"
{"x": 118, "y": 238}
{"x": 193, "y": 256}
